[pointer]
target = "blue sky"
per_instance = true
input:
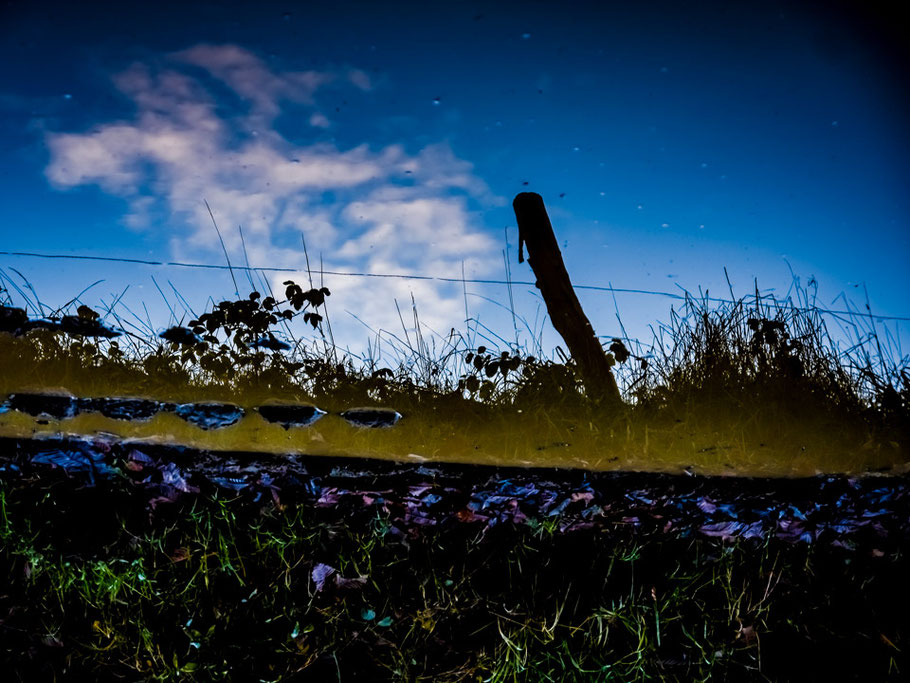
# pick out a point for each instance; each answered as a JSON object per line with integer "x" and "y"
{"x": 668, "y": 142}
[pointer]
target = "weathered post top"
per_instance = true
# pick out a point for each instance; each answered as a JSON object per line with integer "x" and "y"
{"x": 536, "y": 231}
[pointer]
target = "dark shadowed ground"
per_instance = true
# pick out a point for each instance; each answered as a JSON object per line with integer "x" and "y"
{"x": 130, "y": 561}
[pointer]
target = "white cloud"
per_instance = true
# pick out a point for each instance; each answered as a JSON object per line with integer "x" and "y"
{"x": 108, "y": 157}
{"x": 387, "y": 210}
{"x": 408, "y": 230}
{"x": 320, "y": 120}
{"x": 360, "y": 79}
{"x": 249, "y": 77}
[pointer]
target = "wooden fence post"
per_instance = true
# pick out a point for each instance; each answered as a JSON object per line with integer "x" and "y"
{"x": 536, "y": 231}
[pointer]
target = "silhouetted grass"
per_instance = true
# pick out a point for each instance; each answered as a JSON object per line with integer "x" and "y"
{"x": 754, "y": 371}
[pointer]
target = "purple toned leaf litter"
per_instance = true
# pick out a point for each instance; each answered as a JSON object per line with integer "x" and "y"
{"x": 323, "y": 572}
{"x": 706, "y": 505}
{"x": 233, "y": 483}
{"x": 320, "y": 573}
{"x": 730, "y": 530}
{"x": 414, "y": 498}
{"x": 171, "y": 475}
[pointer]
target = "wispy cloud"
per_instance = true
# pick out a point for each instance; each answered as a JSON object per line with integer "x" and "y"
{"x": 363, "y": 208}
{"x": 249, "y": 77}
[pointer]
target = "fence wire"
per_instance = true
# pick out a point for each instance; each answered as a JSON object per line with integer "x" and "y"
{"x": 435, "y": 278}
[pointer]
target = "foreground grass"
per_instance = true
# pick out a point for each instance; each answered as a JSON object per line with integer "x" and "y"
{"x": 97, "y": 587}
